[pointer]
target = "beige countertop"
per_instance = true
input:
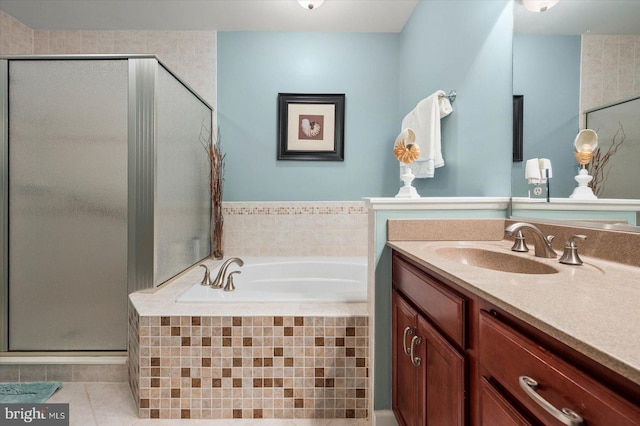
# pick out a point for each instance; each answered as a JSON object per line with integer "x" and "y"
{"x": 592, "y": 308}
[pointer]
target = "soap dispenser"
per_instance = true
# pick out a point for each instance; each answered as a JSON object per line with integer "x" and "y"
{"x": 570, "y": 255}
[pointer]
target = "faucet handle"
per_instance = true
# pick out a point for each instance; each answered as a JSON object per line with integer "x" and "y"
{"x": 519, "y": 244}
{"x": 571, "y": 239}
{"x": 229, "y": 286}
{"x": 570, "y": 255}
{"x": 206, "y": 280}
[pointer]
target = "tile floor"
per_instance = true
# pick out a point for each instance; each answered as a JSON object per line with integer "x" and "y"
{"x": 93, "y": 404}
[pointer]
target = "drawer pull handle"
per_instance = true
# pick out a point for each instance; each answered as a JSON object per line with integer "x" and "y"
{"x": 566, "y": 416}
{"x": 408, "y": 331}
{"x": 414, "y": 359}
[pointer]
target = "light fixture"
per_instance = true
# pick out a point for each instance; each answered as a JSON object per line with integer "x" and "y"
{"x": 310, "y": 4}
{"x": 538, "y": 5}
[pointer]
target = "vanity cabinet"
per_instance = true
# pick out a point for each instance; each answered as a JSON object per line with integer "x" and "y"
{"x": 428, "y": 369}
{"x": 479, "y": 365}
{"x": 552, "y": 390}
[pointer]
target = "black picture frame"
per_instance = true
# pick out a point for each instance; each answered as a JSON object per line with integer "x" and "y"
{"x": 311, "y": 127}
{"x": 518, "y": 133}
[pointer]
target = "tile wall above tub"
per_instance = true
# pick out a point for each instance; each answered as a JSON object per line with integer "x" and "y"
{"x": 327, "y": 228}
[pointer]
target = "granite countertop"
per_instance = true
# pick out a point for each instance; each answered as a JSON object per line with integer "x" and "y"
{"x": 593, "y": 308}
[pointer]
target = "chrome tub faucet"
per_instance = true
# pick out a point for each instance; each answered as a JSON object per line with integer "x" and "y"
{"x": 542, "y": 244}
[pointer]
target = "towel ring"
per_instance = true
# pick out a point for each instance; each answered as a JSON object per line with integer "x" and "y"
{"x": 451, "y": 96}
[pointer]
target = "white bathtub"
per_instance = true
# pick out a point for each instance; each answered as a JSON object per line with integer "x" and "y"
{"x": 288, "y": 279}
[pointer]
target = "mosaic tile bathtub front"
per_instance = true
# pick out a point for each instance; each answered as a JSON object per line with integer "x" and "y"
{"x": 252, "y": 367}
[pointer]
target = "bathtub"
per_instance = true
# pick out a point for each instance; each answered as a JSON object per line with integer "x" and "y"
{"x": 288, "y": 279}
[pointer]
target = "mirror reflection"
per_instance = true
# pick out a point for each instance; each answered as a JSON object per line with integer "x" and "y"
{"x": 577, "y": 65}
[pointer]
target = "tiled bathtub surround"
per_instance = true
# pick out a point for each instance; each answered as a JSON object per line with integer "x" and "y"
{"x": 214, "y": 367}
{"x": 333, "y": 228}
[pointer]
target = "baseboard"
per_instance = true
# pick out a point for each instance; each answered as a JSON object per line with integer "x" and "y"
{"x": 384, "y": 418}
{"x": 68, "y": 359}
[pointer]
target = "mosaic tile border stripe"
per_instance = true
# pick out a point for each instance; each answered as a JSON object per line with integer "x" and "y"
{"x": 203, "y": 367}
{"x": 296, "y": 208}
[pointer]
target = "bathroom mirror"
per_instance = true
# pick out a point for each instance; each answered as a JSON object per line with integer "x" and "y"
{"x": 549, "y": 51}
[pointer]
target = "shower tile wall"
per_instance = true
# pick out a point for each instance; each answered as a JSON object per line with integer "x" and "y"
{"x": 334, "y": 228}
{"x": 610, "y": 69}
{"x": 190, "y": 54}
{"x": 15, "y": 37}
{"x": 250, "y": 367}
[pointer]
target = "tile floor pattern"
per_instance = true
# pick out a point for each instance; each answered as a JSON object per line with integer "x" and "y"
{"x": 106, "y": 404}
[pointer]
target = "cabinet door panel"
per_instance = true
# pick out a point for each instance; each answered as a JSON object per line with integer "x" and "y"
{"x": 496, "y": 410}
{"x": 405, "y": 374}
{"x": 444, "y": 378}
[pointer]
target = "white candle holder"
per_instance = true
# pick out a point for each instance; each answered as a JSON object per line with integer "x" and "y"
{"x": 407, "y": 191}
{"x": 583, "y": 191}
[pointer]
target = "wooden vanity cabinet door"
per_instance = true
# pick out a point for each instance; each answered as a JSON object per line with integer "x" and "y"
{"x": 406, "y": 384}
{"x": 428, "y": 389}
{"x": 443, "y": 376}
{"x": 496, "y": 410}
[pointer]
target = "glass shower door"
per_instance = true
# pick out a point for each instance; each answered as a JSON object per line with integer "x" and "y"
{"x": 68, "y": 205}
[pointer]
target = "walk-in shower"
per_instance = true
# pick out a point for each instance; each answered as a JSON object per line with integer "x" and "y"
{"x": 104, "y": 192}
{"x": 617, "y": 124}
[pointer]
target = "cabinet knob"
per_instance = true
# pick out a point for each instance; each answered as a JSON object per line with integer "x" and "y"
{"x": 414, "y": 359}
{"x": 566, "y": 416}
{"x": 407, "y": 331}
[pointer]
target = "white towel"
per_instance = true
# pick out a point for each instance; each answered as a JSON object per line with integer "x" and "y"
{"x": 532, "y": 171}
{"x": 424, "y": 119}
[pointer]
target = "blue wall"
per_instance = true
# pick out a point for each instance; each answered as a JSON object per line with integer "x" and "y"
{"x": 463, "y": 46}
{"x": 546, "y": 70}
{"x": 448, "y": 45}
{"x": 459, "y": 45}
{"x": 253, "y": 67}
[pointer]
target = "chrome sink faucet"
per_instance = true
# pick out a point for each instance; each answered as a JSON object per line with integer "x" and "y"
{"x": 219, "y": 279}
{"x": 542, "y": 244}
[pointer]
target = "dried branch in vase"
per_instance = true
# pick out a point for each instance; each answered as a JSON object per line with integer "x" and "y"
{"x": 216, "y": 180}
{"x": 598, "y": 166}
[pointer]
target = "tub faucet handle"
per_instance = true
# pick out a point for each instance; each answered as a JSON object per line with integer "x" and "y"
{"x": 229, "y": 286}
{"x": 206, "y": 280}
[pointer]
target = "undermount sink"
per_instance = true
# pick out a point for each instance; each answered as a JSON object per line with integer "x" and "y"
{"x": 496, "y": 261}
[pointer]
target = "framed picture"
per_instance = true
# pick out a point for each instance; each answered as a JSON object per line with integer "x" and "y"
{"x": 311, "y": 127}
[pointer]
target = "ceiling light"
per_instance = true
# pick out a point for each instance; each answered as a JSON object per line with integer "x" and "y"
{"x": 310, "y": 4}
{"x": 538, "y": 5}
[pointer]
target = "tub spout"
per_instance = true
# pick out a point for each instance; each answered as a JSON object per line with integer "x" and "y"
{"x": 219, "y": 279}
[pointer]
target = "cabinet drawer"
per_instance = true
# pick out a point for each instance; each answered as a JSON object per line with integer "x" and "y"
{"x": 495, "y": 410}
{"x": 507, "y": 355}
{"x": 446, "y": 309}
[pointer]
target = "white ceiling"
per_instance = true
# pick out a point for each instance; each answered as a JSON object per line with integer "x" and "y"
{"x": 572, "y": 17}
{"x": 219, "y": 15}
{"x": 567, "y": 17}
